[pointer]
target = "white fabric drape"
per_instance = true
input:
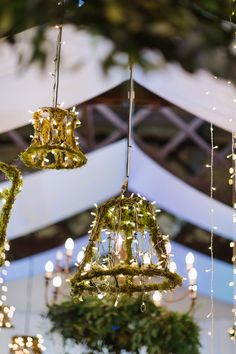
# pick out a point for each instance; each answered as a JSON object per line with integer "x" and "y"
{"x": 50, "y": 196}
{"x": 24, "y": 88}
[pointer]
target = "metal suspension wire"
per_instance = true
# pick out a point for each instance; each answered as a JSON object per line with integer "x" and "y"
{"x": 131, "y": 97}
{"x": 57, "y": 60}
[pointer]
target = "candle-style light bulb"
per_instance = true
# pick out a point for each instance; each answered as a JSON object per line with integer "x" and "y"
{"x": 57, "y": 281}
{"x": 146, "y": 259}
{"x": 49, "y": 267}
{"x": 157, "y": 297}
{"x": 69, "y": 245}
{"x": 192, "y": 275}
{"x": 168, "y": 247}
{"x": 173, "y": 267}
{"x": 189, "y": 259}
{"x": 80, "y": 256}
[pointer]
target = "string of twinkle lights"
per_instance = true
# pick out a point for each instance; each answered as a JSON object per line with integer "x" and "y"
{"x": 26, "y": 343}
{"x": 6, "y": 311}
{"x": 232, "y": 183}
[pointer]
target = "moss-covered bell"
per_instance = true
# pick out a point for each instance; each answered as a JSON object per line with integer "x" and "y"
{"x": 7, "y": 196}
{"x": 54, "y": 144}
{"x": 126, "y": 252}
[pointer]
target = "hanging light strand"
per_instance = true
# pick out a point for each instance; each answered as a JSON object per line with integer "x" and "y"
{"x": 232, "y": 331}
{"x": 131, "y": 97}
{"x": 211, "y": 314}
{"x": 232, "y": 182}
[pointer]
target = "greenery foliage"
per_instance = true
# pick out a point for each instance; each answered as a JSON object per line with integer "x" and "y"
{"x": 127, "y": 215}
{"x": 193, "y": 33}
{"x": 8, "y": 196}
{"x": 99, "y": 325}
{"x": 54, "y": 144}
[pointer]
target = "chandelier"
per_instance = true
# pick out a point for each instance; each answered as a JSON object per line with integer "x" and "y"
{"x": 126, "y": 252}
{"x": 56, "y": 275}
{"x": 27, "y": 345}
{"x": 161, "y": 298}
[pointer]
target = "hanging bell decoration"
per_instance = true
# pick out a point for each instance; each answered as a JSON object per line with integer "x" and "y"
{"x": 7, "y": 197}
{"x": 54, "y": 144}
{"x": 27, "y": 345}
{"x": 6, "y": 314}
{"x": 126, "y": 252}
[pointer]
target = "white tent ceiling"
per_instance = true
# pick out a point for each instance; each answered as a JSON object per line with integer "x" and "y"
{"x": 50, "y": 196}
{"x": 82, "y": 78}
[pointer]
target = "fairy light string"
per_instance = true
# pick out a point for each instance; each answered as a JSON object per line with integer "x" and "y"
{"x": 232, "y": 182}
{"x": 234, "y": 231}
{"x": 212, "y": 189}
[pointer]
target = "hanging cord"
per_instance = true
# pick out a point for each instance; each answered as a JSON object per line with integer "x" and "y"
{"x": 212, "y": 237}
{"x": 29, "y": 289}
{"x": 57, "y": 60}
{"x": 131, "y": 97}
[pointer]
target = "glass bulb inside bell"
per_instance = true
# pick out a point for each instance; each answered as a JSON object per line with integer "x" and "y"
{"x": 87, "y": 267}
{"x": 192, "y": 275}
{"x": 118, "y": 243}
{"x": 80, "y": 256}
{"x": 157, "y": 297}
{"x": 168, "y": 247}
{"x": 189, "y": 259}
{"x": 57, "y": 281}
{"x": 173, "y": 267}
{"x": 146, "y": 259}
{"x": 69, "y": 246}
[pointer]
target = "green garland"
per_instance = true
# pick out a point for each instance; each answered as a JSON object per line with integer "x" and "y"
{"x": 8, "y": 195}
{"x": 54, "y": 144}
{"x": 100, "y": 326}
{"x": 128, "y": 215}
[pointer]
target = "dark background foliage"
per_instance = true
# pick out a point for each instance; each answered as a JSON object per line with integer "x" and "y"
{"x": 193, "y": 33}
{"x": 98, "y": 325}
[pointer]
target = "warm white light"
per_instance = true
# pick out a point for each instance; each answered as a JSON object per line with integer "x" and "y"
{"x": 57, "y": 281}
{"x": 192, "y": 275}
{"x": 189, "y": 259}
{"x": 49, "y": 267}
{"x": 146, "y": 259}
{"x": 80, "y": 256}
{"x": 157, "y": 297}
{"x": 119, "y": 243}
{"x": 69, "y": 244}
{"x": 168, "y": 247}
{"x": 173, "y": 267}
